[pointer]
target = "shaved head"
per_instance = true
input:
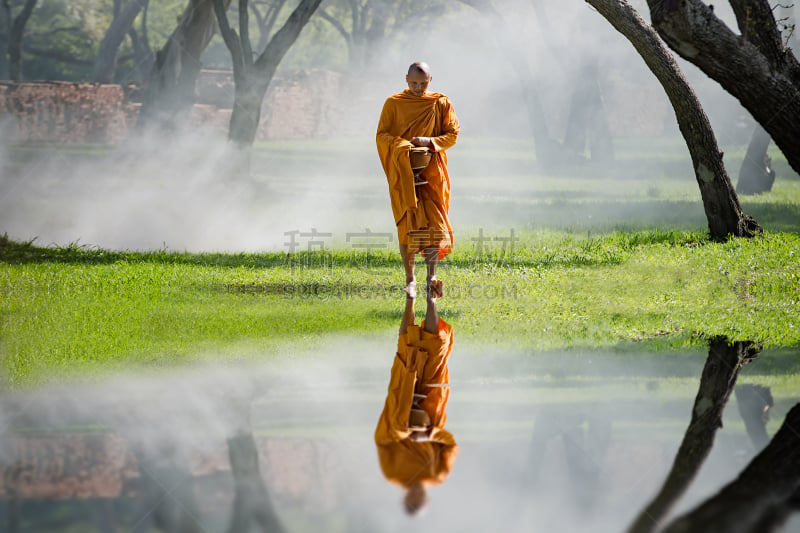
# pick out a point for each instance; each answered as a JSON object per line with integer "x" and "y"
{"x": 418, "y": 78}
{"x": 420, "y": 67}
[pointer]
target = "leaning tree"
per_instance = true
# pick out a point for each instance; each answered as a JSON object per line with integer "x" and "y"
{"x": 723, "y": 212}
{"x": 755, "y": 65}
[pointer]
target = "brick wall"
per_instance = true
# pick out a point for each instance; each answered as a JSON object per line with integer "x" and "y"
{"x": 301, "y": 105}
{"x": 63, "y": 112}
{"x": 304, "y": 104}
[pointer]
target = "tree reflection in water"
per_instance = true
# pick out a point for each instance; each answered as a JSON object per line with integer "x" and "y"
{"x": 541, "y": 445}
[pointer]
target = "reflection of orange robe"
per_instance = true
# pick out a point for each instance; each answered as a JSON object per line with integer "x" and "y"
{"x": 420, "y": 365}
{"x": 422, "y": 222}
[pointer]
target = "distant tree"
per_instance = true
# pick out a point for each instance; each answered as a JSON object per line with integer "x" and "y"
{"x": 755, "y": 66}
{"x": 60, "y": 40}
{"x": 756, "y": 174}
{"x": 545, "y": 146}
{"x": 15, "y": 30}
{"x": 723, "y": 212}
{"x": 124, "y": 15}
{"x": 586, "y": 121}
{"x": 252, "y": 503}
{"x": 142, "y": 52}
{"x": 266, "y": 14}
{"x": 252, "y": 75}
{"x": 587, "y": 125}
{"x": 169, "y": 92}
{"x": 5, "y": 30}
{"x": 362, "y": 24}
{"x": 365, "y": 25}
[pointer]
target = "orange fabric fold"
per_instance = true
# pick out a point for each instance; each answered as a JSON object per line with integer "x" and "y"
{"x": 420, "y": 365}
{"x": 422, "y": 221}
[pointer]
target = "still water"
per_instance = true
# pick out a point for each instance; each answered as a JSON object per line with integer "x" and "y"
{"x": 568, "y": 441}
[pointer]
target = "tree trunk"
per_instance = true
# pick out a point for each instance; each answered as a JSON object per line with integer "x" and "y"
{"x": 381, "y": 14}
{"x": 251, "y": 500}
{"x": 763, "y": 495}
{"x": 756, "y": 174}
{"x": 253, "y": 78}
{"x": 105, "y": 65}
{"x": 142, "y": 52}
{"x": 5, "y": 20}
{"x": 143, "y": 56}
{"x": 168, "y": 501}
{"x": 587, "y": 121}
{"x": 246, "y": 114}
{"x": 15, "y": 40}
{"x": 169, "y": 94}
{"x": 14, "y": 512}
{"x": 548, "y": 151}
{"x": 754, "y": 67}
{"x": 754, "y": 402}
{"x": 716, "y": 384}
{"x": 723, "y": 212}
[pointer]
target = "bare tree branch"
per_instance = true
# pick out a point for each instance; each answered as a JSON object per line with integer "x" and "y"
{"x": 336, "y": 24}
{"x": 50, "y": 33}
{"x": 230, "y": 37}
{"x": 757, "y": 25}
{"x": 56, "y": 55}
{"x": 244, "y": 32}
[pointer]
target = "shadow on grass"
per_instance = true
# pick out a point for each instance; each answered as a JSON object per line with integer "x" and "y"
{"x": 774, "y": 217}
{"x": 597, "y": 213}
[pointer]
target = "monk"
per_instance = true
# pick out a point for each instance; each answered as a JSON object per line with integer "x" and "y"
{"x": 416, "y": 117}
{"x": 414, "y": 449}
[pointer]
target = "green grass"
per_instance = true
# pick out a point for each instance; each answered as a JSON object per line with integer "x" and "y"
{"x": 78, "y": 310}
{"x": 606, "y": 257}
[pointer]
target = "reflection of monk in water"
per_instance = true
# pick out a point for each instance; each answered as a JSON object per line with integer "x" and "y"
{"x": 414, "y": 449}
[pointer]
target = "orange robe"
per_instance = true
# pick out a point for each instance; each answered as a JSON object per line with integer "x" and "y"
{"x": 422, "y": 222}
{"x": 420, "y": 365}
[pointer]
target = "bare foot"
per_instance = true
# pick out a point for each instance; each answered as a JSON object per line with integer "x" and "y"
{"x": 435, "y": 288}
{"x": 411, "y": 290}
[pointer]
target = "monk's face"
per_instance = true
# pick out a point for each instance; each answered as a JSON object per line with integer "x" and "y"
{"x": 415, "y": 498}
{"x": 418, "y": 82}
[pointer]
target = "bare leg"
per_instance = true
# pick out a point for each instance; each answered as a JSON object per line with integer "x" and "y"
{"x": 408, "y": 264}
{"x": 431, "y": 315}
{"x": 408, "y": 316}
{"x": 431, "y": 262}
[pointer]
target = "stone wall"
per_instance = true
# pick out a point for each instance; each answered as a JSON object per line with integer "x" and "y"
{"x": 299, "y": 105}
{"x": 63, "y": 112}
{"x": 304, "y": 104}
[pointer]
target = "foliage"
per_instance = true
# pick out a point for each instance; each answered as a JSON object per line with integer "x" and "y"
{"x": 62, "y": 37}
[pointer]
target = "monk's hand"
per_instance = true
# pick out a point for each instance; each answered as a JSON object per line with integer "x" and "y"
{"x": 422, "y": 141}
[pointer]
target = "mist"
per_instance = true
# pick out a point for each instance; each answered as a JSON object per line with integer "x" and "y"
{"x": 313, "y": 419}
{"x": 155, "y": 193}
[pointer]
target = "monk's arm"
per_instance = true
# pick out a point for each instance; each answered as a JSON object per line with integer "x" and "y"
{"x": 384, "y": 136}
{"x": 393, "y": 422}
{"x": 450, "y": 128}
